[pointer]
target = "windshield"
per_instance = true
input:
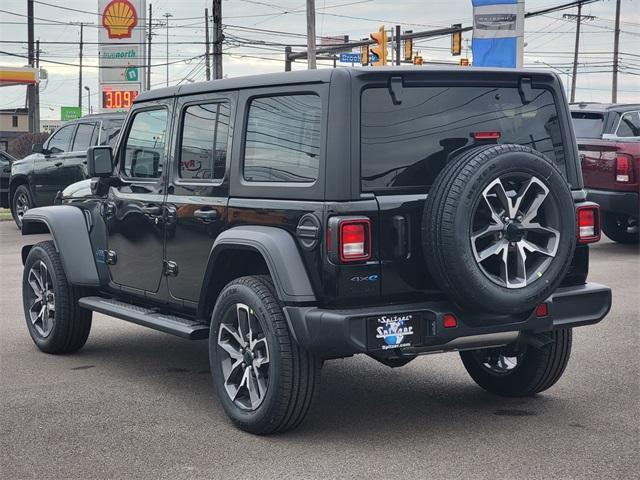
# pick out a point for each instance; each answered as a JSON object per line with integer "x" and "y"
{"x": 587, "y": 124}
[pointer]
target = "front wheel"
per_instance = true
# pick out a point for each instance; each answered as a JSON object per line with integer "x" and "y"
{"x": 264, "y": 380}
{"x": 620, "y": 228}
{"x": 20, "y": 204}
{"x": 520, "y": 370}
{"x": 55, "y": 321}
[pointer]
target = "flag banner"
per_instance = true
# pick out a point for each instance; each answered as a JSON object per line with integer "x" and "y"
{"x": 498, "y": 33}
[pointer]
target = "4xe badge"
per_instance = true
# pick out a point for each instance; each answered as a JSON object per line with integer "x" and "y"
{"x": 393, "y": 330}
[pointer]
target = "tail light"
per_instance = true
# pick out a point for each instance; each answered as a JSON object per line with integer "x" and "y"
{"x": 354, "y": 242}
{"x": 624, "y": 170}
{"x": 588, "y": 219}
{"x": 349, "y": 239}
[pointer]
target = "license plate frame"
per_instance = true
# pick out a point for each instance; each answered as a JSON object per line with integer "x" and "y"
{"x": 395, "y": 330}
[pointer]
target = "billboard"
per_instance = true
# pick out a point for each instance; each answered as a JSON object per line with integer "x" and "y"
{"x": 498, "y": 33}
{"x": 121, "y": 52}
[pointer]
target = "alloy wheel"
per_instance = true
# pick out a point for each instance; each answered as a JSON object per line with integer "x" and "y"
{"x": 244, "y": 358}
{"x": 499, "y": 361}
{"x": 22, "y": 205}
{"x": 41, "y": 299}
{"x": 515, "y": 233}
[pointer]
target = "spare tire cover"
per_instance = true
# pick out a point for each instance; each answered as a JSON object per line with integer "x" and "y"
{"x": 498, "y": 229}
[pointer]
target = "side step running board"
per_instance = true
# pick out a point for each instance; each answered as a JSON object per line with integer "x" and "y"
{"x": 147, "y": 317}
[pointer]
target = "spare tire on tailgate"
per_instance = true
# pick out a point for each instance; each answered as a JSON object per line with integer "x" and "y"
{"x": 498, "y": 229}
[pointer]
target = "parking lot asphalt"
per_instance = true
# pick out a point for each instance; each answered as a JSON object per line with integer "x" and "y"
{"x": 135, "y": 403}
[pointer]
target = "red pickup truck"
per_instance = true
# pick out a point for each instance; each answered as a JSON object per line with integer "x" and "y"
{"x": 608, "y": 138}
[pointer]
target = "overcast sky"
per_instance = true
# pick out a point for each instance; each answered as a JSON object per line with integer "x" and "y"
{"x": 549, "y": 40}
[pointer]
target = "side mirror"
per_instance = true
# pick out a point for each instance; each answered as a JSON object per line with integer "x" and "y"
{"x": 100, "y": 161}
{"x": 610, "y": 136}
{"x": 37, "y": 148}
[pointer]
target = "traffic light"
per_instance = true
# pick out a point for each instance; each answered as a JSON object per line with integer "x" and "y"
{"x": 408, "y": 47}
{"x": 364, "y": 50}
{"x": 379, "y": 49}
{"x": 417, "y": 60}
{"x": 456, "y": 40}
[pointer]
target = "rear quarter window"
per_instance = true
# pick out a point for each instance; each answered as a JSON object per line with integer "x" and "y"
{"x": 407, "y": 145}
{"x": 283, "y": 139}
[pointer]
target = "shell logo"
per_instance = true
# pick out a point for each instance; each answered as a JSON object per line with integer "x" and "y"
{"x": 119, "y": 18}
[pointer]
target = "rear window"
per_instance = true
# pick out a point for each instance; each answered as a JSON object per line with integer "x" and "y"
{"x": 406, "y": 145}
{"x": 587, "y": 124}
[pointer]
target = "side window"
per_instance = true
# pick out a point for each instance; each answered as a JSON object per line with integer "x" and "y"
{"x": 144, "y": 149}
{"x": 203, "y": 149}
{"x": 629, "y": 125}
{"x": 283, "y": 139}
{"x": 60, "y": 140}
{"x": 84, "y": 134}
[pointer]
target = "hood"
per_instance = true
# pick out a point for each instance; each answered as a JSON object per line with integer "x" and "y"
{"x": 79, "y": 189}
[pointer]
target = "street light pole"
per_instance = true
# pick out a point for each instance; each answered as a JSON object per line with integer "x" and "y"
{"x": 167, "y": 16}
{"x": 88, "y": 99}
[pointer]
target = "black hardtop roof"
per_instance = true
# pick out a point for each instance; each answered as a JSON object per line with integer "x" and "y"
{"x": 320, "y": 76}
{"x": 602, "y": 107}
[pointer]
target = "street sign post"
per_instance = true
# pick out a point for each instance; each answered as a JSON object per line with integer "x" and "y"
{"x": 350, "y": 58}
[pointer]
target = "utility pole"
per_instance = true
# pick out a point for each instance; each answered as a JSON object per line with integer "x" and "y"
{"x": 207, "y": 65}
{"x": 311, "y": 34}
{"x": 616, "y": 45}
{"x": 36, "y": 105}
{"x": 287, "y": 60}
{"x": 80, "y": 74}
{"x": 578, "y": 18}
{"x": 398, "y": 45}
{"x": 167, "y": 16}
{"x": 217, "y": 38}
{"x": 31, "y": 89}
{"x": 149, "y": 51}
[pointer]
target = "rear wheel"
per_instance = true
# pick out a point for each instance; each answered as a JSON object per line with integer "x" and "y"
{"x": 55, "y": 321}
{"x": 522, "y": 370}
{"x": 620, "y": 228}
{"x": 264, "y": 380}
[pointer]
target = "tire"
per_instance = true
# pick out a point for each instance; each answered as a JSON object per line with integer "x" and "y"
{"x": 67, "y": 328}
{"x": 20, "y": 203}
{"x": 464, "y": 198}
{"x": 290, "y": 378}
{"x": 536, "y": 369}
{"x": 620, "y": 228}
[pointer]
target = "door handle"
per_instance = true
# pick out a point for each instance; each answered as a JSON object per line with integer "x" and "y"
{"x": 210, "y": 215}
{"x": 58, "y": 164}
{"x": 152, "y": 210}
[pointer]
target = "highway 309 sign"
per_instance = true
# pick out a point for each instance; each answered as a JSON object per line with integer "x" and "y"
{"x": 121, "y": 52}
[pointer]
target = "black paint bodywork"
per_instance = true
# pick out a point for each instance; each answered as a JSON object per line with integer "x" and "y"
{"x": 162, "y": 250}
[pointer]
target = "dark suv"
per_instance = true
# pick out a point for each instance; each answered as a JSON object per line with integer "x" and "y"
{"x": 298, "y": 217}
{"x": 37, "y": 179}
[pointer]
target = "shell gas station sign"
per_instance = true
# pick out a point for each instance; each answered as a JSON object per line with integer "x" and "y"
{"x": 121, "y": 52}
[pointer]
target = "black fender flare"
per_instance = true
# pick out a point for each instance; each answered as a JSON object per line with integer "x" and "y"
{"x": 68, "y": 228}
{"x": 280, "y": 252}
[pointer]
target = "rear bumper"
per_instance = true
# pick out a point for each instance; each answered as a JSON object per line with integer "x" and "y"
{"x": 626, "y": 203}
{"x": 340, "y": 333}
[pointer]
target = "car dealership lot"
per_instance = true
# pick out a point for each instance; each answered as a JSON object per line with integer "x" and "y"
{"x": 139, "y": 403}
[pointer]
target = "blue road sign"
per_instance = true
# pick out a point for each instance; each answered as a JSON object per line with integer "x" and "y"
{"x": 350, "y": 58}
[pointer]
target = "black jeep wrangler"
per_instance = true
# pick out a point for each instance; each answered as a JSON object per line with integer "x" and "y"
{"x": 297, "y": 217}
